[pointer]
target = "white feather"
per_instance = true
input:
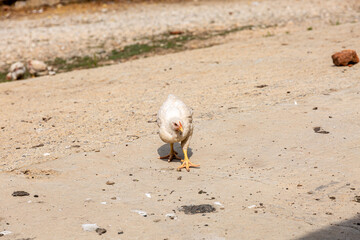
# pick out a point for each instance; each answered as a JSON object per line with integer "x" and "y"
{"x": 173, "y": 109}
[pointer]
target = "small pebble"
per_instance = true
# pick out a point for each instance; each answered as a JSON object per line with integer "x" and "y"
{"x": 20, "y": 194}
{"x": 100, "y": 231}
{"x": 110, "y": 183}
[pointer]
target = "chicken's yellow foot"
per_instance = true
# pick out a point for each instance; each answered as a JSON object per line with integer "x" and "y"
{"x": 186, "y": 162}
{"x": 172, "y": 154}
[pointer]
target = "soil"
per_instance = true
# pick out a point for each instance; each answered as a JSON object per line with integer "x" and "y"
{"x": 261, "y": 162}
{"x": 20, "y": 194}
{"x": 194, "y": 209}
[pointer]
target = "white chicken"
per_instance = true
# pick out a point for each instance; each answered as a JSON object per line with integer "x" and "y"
{"x": 37, "y": 68}
{"x": 175, "y": 123}
{"x": 16, "y": 71}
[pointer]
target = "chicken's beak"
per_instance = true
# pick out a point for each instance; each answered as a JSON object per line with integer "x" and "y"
{"x": 180, "y": 127}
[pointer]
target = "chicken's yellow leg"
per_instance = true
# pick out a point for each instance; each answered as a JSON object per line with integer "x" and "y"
{"x": 172, "y": 154}
{"x": 186, "y": 162}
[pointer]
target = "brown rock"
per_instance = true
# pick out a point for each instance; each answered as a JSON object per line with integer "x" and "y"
{"x": 345, "y": 58}
{"x": 20, "y": 194}
{"x": 176, "y": 32}
{"x": 100, "y": 231}
{"x": 110, "y": 183}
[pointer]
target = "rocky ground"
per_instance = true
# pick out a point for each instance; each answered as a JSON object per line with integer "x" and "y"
{"x": 77, "y": 30}
{"x": 277, "y": 138}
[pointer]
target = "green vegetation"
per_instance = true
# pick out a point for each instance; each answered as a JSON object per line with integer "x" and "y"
{"x": 338, "y": 22}
{"x": 3, "y": 77}
{"x": 269, "y": 34}
{"x": 309, "y": 29}
{"x": 236, "y": 29}
{"x": 145, "y": 46}
{"x": 131, "y": 50}
{"x": 74, "y": 63}
{"x": 162, "y": 42}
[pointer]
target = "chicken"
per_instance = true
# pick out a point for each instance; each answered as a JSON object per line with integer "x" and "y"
{"x": 175, "y": 123}
{"x": 37, "y": 68}
{"x": 16, "y": 71}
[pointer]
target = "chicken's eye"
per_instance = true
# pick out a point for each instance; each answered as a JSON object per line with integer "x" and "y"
{"x": 175, "y": 124}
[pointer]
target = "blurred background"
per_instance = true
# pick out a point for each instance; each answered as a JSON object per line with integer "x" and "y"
{"x": 39, "y": 37}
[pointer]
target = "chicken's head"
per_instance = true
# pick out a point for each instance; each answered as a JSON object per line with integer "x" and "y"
{"x": 177, "y": 126}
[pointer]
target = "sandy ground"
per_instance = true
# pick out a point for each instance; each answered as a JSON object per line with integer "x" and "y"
{"x": 260, "y": 157}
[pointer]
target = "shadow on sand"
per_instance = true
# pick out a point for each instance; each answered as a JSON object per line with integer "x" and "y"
{"x": 345, "y": 230}
{"x": 165, "y": 150}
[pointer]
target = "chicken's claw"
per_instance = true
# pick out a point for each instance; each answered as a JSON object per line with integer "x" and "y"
{"x": 172, "y": 155}
{"x": 186, "y": 162}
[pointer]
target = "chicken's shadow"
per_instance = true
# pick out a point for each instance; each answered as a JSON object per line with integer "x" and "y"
{"x": 165, "y": 150}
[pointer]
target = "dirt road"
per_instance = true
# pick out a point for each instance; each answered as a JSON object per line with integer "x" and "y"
{"x": 256, "y": 98}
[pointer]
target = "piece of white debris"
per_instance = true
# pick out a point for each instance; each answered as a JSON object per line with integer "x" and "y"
{"x": 46, "y": 154}
{"x": 148, "y": 195}
{"x": 29, "y": 201}
{"x": 295, "y": 102}
{"x": 104, "y": 203}
{"x": 5, "y": 232}
{"x": 38, "y": 130}
{"x": 89, "y": 227}
{"x": 220, "y": 205}
{"x": 252, "y": 206}
{"x": 172, "y": 216}
{"x": 142, "y": 213}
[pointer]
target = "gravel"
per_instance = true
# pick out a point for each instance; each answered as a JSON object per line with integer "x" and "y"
{"x": 80, "y": 34}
